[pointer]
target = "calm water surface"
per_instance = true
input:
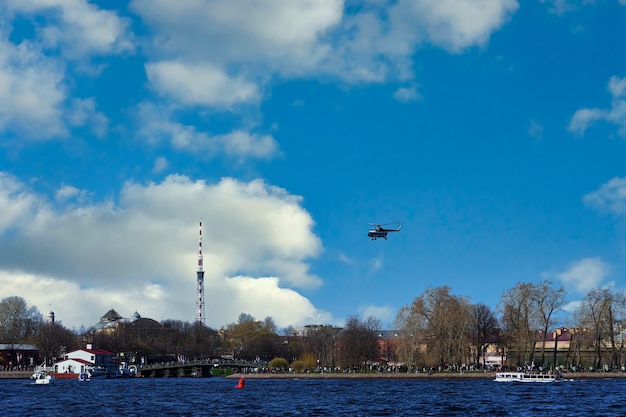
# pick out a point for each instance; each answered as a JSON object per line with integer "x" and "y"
{"x": 306, "y": 397}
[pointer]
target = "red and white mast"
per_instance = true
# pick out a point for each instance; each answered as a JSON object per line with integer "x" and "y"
{"x": 200, "y": 278}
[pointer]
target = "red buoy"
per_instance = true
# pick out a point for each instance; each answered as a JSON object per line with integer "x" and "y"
{"x": 241, "y": 383}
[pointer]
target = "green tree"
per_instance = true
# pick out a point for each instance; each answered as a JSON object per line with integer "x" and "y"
{"x": 308, "y": 359}
{"x": 249, "y": 338}
{"x": 279, "y": 363}
{"x": 298, "y": 365}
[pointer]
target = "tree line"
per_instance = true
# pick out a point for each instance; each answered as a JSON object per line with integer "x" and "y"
{"x": 438, "y": 329}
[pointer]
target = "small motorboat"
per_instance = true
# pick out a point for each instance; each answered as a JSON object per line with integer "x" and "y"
{"x": 42, "y": 378}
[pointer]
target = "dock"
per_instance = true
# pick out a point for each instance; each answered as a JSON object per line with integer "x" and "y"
{"x": 16, "y": 374}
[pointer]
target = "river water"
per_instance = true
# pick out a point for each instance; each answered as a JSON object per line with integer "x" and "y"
{"x": 310, "y": 397}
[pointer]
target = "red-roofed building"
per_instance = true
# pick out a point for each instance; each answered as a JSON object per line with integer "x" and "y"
{"x": 87, "y": 360}
{"x": 560, "y": 345}
{"x": 560, "y": 339}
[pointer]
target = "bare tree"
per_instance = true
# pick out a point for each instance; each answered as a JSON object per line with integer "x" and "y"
{"x": 412, "y": 330}
{"x": 358, "y": 342}
{"x": 601, "y": 311}
{"x": 483, "y": 329}
{"x": 320, "y": 341}
{"x": 593, "y": 317}
{"x": 18, "y": 321}
{"x": 616, "y": 312}
{"x": 269, "y": 325}
{"x": 438, "y": 320}
{"x": 520, "y": 323}
{"x": 548, "y": 300}
{"x": 52, "y": 339}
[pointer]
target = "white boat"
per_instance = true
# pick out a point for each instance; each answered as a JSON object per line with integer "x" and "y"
{"x": 527, "y": 377}
{"x": 42, "y": 375}
{"x": 41, "y": 378}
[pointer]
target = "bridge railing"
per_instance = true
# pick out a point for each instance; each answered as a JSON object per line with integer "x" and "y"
{"x": 205, "y": 362}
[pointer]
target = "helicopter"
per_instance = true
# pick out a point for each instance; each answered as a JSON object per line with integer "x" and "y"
{"x": 378, "y": 230}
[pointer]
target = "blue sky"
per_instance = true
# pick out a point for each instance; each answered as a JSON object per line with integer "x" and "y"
{"x": 493, "y": 130}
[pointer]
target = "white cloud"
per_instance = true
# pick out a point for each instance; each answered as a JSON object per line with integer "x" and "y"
{"x": 406, "y": 94}
{"x": 617, "y": 86}
{"x": 16, "y": 203}
{"x": 535, "y": 130}
{"x": 83, "y": 113}
{"x": 33, "y": 96}
{"x": 610, "y": 196}
{"x": 572, "y": 306}
{"x": 144, "y": 249}
{"x": 154, "y": 292}
{"x": 384, "y": 314}
{"x": 31, "y": 91}
{"x": 78, "y": 28}
{"x": 239, "y": 143}
{"x": 315, "y": 37}
{"x": 379, "y": 42}
{"x": 285, "y": 36}
{"x": 68, "y": 192}
{"x": 377, "y": 263}
{"x": 560, "y": 7}
{"x": 343, "y": 258}
{"x": 160, "y": 165}
{"x": 456, "y": 24}
{"x": 155, "y": 126}
{"x": 616, "y": 114}
{"x": 204, "y": 85}
{"x": 584, "y": 275}
{"x": 583, "y": 118}
{"x": 286, "y": 303}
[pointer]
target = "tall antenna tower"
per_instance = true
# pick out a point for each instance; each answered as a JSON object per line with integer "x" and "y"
{"x": 200, "y": 278}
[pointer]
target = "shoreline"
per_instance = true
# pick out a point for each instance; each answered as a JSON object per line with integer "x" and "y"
{"x": 341, "y": 375}
{"x": 424, "y": 376}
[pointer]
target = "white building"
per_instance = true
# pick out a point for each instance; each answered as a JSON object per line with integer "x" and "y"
{"x": 71, "y": 366}
{"x": 77, "y": 361}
